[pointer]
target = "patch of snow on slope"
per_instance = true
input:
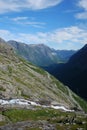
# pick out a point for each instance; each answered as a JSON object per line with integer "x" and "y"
{"x": 27, "y": 102}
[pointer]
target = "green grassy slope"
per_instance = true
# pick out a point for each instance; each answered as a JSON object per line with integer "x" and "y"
{"x": 21, "y": 79}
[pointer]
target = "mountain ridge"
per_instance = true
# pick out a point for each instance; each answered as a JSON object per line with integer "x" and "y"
{"x": 36, "y": 52}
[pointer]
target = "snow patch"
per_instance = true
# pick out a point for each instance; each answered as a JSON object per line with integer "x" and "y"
{"x": 61, "y": 107}
{"x": 27, "y": 102}
{"x": 53, "y": 53}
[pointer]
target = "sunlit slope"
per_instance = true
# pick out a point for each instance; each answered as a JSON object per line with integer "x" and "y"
{"x": 21, "y": 79}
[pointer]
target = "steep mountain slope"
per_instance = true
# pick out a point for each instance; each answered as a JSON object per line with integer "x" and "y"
{"x": 20, "y": 79}
{"x": 37, "y": 54}
{"x": 65, "y": 54}
{"x": 73, "y": 73}
{"x": 41, "y": 55}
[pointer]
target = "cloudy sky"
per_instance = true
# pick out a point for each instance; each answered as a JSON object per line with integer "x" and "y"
{"x": 60, "y": 24}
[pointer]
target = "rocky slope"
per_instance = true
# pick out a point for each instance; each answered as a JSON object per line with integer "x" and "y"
{"x": 21, "y": 79}
{"x": 32, "y": 99}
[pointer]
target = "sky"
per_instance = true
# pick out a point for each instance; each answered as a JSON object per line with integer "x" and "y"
{"x": 59, "y": 24}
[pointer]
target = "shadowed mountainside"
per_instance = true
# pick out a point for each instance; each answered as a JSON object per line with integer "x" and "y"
{"x": 73, "y": 73}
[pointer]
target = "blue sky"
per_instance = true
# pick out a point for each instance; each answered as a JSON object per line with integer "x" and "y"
{"x": 60, "y": 24}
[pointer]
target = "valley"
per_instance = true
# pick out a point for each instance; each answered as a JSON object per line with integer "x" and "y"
{"x": 73, "y": 73}
{"x": 32, "y": 99}
{"x": 43, "y": 65}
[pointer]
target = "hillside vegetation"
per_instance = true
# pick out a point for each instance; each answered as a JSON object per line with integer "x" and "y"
{"x": 20, "y": 79}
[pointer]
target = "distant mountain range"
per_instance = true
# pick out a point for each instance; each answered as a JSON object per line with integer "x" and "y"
{"x": 74, "y": 72}
{"x": 40, "y": 54}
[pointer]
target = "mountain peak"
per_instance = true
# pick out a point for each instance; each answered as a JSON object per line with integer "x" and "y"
{"x": 2, "y": 40}
{"x": 41, "y": 45}
{"x": 84, "y": 48}
{"x": 80, "y": 57}
{"x": 5, "y": 49}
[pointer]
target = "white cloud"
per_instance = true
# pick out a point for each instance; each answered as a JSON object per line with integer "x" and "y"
{"x": 70, "y": 34}
{"x": 19, "y": 18}
{"x": 19, "y": 5}
{"x": 28, "y": 21}
{"x": 81, "y": 15}
{"x": 82, "y": 4}
{"x": 65, "y": 37}
{"x": 6, "y": 34}
{"x": 40, "y": 4}
{"x": 35, "y": 23}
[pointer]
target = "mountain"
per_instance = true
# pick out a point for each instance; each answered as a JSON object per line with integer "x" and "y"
{"x": 20, "y": 78}
{"x": 65, "y": 55}
{"x": 32, "y": 99}
{"x": 73, "y": 73}
{"x": 41, "y": 55}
